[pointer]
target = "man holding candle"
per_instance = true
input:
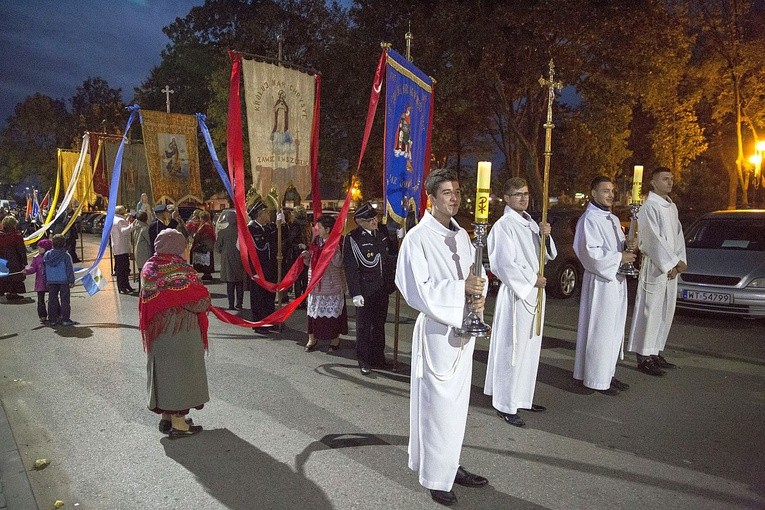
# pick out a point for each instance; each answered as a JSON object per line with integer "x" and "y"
{"x": 600, "y": 245}
{"x": 662, "y": 245}
{"x": 514, "y": 243}
{"x": 435, "y": 276}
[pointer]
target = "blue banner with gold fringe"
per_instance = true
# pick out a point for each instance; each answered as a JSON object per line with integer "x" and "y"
{"x": 408, "y": 95}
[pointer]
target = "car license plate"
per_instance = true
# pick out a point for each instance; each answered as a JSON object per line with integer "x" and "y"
{"x": 709, "y": 297}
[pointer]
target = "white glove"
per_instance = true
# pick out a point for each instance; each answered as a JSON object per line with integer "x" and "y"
{"x": 280, "y": 217}
{"x": 358, "y": 301}
{"x": 400, "y": 233}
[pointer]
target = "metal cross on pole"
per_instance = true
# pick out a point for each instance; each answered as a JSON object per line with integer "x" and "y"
{"x": 552, "y": 87}
{"x": 167, "y": 91}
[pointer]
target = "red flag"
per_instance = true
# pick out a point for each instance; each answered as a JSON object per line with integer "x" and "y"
{"x": 45, "y": 199}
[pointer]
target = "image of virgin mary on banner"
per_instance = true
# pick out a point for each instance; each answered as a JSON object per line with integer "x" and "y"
{"x": 408, "y": 93}
{"x": 280, "y": 108}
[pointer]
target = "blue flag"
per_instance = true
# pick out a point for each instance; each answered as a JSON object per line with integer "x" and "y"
{"x": 408, "y": 93}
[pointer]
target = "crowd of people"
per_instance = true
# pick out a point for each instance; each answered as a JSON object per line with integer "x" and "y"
{"x": 433, "y": 268}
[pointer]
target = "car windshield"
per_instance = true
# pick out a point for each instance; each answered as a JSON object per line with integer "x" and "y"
{"x": 728, "y": 234}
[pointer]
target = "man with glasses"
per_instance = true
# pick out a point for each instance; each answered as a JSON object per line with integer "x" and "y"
{"x": 513, "y": 246}
{"x": 368, "y": 267}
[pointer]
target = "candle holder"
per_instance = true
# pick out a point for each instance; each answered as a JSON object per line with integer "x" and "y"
{"x": 628, "y": 268}
{"x": 473, "y": 324}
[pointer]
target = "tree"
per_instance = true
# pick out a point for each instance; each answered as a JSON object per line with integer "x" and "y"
{"x": 97, "y": 107}
{"x": 730, "y": 64}
{"x": 28, "y": 144}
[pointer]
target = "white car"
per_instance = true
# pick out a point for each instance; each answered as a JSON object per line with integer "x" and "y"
{"x": 726, "y": 264}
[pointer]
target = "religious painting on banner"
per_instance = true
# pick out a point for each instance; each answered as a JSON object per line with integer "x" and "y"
{"x": 170, "y": 141}
{"x": 101, "y": 175}
{"x": 280, "y": 104}
{"x": 408, "y": 93}
{"x": 134, "y": 176}
{"x": 83, "y": 190}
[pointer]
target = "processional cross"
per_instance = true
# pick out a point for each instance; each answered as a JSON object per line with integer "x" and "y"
{"x": 552, "y": 86}
{"x": 167, "y": 91}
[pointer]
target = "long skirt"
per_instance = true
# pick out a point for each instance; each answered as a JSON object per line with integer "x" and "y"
{"x": 328, "y": 328}
{"x": 175, "y": 367}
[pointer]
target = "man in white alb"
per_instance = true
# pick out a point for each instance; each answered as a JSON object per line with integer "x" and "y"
{"x": 514, "y": 244}
{"x": 434, "y": 276}
{"x": 599, "y": 243}
{"x": 662, "y": 246}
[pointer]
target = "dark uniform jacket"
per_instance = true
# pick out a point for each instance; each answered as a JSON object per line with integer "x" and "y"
{"x": 368, "y": 263}
{"x": 265, "y": 238}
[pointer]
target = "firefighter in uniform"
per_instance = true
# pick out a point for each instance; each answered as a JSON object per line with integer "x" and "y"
{"x": 263, "y": 232}
{"x": 369, "y": 270}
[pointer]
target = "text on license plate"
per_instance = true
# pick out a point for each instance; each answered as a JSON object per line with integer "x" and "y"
{"x": 711, "y": 297}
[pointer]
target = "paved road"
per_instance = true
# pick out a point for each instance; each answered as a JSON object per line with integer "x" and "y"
{"x": 288, "y": 429}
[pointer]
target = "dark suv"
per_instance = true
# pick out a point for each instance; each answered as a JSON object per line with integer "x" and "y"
{"x": 564, "y": 273}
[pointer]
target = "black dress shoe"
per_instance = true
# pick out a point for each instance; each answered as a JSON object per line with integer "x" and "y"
{"x": 310, "y": 348}
{"x": 443, "y": 497}
{"x": 647, "y": 366}
{"x": 611, "y": 392}
{"x": 366, "y": 370}
{"x": 467, "y": 479}
{"x": 537, "y": 408}
{"x": 262, "y": 331}
{"x": 512, "y": 419}
{"x": 660, "y": 362}
{"x": 238, "y": 307}
{"x": 193, "y": 429}
{"x": 616, "y": 383}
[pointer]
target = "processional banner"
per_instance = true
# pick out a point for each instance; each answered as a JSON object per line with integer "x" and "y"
{"x": 408, "y": 106}
{"x": 134, "y": 177}
{"x": 170, "y": 141}
{"x": 280, "y": 110}
{"x": 83, "y": 191}
{"x": 101, "y": 171}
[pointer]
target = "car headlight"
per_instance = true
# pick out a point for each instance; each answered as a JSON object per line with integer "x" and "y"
{"x": 757, "y": 283}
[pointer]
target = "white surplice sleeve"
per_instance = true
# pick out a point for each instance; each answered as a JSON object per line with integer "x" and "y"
{"x": 596, "y": 254}
{"x": 507, "y": 261}
{"x": 660, "y": 250}
{"x": 426, "y": 286}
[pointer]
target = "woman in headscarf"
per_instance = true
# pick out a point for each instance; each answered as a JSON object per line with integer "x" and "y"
{"x": 173, "y": 322}
{"x": 202, "y": 248}
{"x": 327, "y": 316}
{"x": 231, "y": 269}
{"x": 13, "y": 250}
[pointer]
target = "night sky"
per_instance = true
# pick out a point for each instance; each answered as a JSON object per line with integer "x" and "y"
{"x": 52, "y": 47}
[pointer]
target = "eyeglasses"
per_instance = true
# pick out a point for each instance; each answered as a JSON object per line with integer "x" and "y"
{"x": 520, "y": 194}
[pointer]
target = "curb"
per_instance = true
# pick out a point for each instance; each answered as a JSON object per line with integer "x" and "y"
{"x": 15, "y": 490}
{"x": 683, "y": 348}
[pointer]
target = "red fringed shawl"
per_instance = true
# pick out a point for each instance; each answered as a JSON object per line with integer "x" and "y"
{"x": 167, "y": 283}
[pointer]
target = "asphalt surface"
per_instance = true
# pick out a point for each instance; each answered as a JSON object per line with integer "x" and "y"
{"x": 289, "y": 429}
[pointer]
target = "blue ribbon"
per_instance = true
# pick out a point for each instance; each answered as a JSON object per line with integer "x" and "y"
{"x": 134, "y": 109}
{"x": 223, "y": 175}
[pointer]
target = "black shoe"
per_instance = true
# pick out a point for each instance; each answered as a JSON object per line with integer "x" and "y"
{"x": 310, "y": 348}
{"x": 366, "y": 370}
{"x": 616, "y": 383}
{"x": 660, "y": 362}
{"x": 443, "y": 497}
{"x": 262, "y": 331}
{"x": 467, "y": 479}
{"x": 610, "y": 391}
{"x": 193, "y": 429}
{"x": 512, "y": 419}
{"x": 130, "y": 290}
{"x": 333, "y": 347}
{"x": 647, "y": 366}
{"x": 238, "y": 307}
{"x": 537, "y": 408}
